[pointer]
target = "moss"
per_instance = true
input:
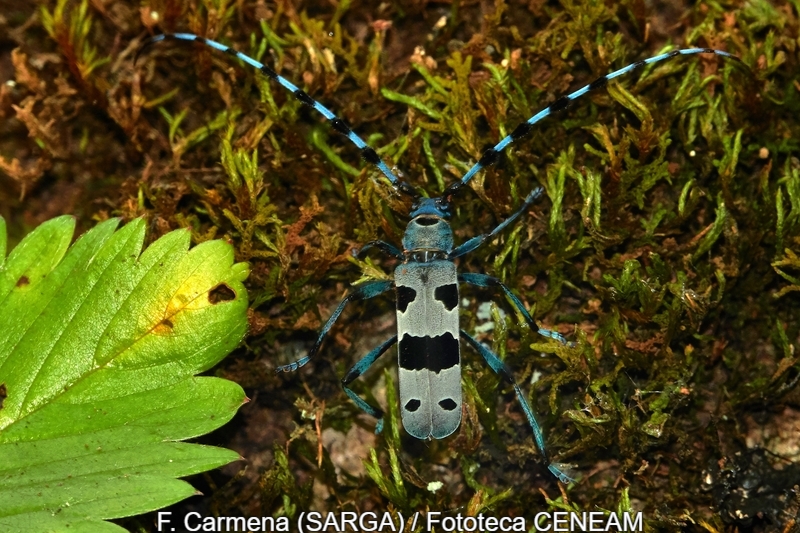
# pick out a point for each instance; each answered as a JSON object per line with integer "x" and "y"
{"x": 666, "y": 246}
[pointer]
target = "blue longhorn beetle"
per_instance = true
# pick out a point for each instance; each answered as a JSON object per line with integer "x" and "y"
{"x": 426, "y": 280}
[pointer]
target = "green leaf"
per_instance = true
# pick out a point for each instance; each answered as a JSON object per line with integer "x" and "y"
{"x": 99, "y": 346}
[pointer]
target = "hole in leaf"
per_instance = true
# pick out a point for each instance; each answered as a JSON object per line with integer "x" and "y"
{"x": 3, "y": 394}
{"x": 24, "y": 280}
{"x": 221, "y": 293}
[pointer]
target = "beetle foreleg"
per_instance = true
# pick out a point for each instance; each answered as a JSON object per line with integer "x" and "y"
{"x": 364, "y": 291}
{"x": 484, "y": 281}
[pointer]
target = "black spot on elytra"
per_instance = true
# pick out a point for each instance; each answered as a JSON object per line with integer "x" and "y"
{"x": 413, "y": 405}
{"x": 221, "y": 293}
{"x": 429, "y": 353}
{"x": 448, "y": 295}
{"x": 24, "y": 280}
{"x": 405, "y": 295}
{"x": 448, "y": 404}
